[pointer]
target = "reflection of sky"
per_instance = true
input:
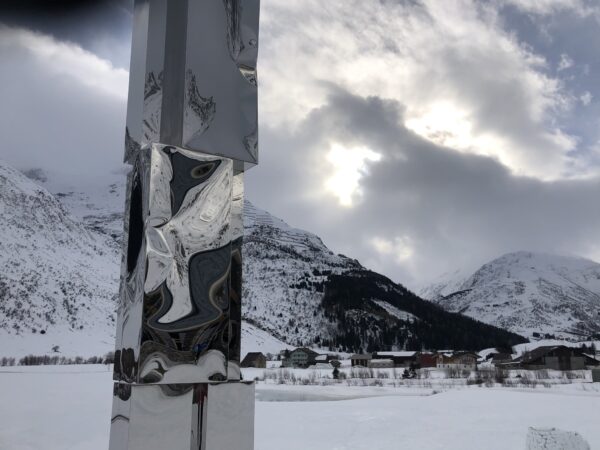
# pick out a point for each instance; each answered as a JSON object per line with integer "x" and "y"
{"x": 415, "y": 136}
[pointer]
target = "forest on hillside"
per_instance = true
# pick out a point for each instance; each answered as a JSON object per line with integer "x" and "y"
{"x": 360, "y": 324}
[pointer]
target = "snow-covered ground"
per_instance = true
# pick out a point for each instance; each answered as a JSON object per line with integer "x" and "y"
{"x": 81, "y": 343}
{"x": 256, "y": 340}
{"x": 68, "y": 408}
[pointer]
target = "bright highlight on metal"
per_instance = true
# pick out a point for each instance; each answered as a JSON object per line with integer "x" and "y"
{"x": 191, "y": 132}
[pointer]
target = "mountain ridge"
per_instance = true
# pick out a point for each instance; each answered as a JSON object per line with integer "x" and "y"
{"x": 287, "y": 272}
{"x": 528, "y": 292}
{"x": 75, "y": 290}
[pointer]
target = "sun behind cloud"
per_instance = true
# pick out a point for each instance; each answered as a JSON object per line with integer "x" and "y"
{"x": 350, "y": 165}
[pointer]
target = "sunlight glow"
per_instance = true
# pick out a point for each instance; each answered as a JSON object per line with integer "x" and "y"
{"x": 349, "y": 166}
{"x": 443, "y": 123}
{"x": 446, "y": 124}
{"x": 398, "y": 248}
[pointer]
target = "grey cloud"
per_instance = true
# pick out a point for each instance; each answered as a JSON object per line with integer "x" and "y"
{"x": 100, "y": 26}
{"x": 455, "y": 209}
{"x": 53, "y": 121}
{"x": 567, "y": 32}
{"x": 455, "y": 65}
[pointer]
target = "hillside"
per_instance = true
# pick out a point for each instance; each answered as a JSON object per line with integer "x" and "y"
{"x": 533, "y": 294}
{"x": 366, "y": 306}
{"x": 62, "y": 254}
{"x": 58, "y": 278}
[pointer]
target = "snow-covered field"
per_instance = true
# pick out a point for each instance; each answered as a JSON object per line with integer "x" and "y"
{"x": 81, "y": 343}
{"x": 68, "y": 408}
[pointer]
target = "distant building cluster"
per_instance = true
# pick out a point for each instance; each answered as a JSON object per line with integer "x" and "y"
{"x": 446, "y": 359}
{"x": 556, "y": 357}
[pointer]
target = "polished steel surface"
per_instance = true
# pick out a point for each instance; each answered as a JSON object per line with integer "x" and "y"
{"x": 203, "y": 416}
{"x": 191, "y": 133}
{"x": 220, "y": 98}
{"x": 229, "y": 417}
{"x": 193, "y": 80}
{"x": 173, "y": 319}
{"x": 235, "y": 278}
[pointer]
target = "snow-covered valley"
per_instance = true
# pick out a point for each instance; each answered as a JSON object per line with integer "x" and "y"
{"x": 73, "y": 404}
{"x": 62, "y": 253}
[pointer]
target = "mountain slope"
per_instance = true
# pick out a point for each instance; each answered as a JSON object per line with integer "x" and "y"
{"x": 300, "y": 291}
{"x": 365, "y": 306}
{"x": 69, "y": 245}
{"x": 528, "y": 293}
{"x": 58, "y": 278}
{"x": 284, "y": 272}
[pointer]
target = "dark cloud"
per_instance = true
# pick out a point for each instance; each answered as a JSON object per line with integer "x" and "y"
{"x": 102, "y": 27}
{"x": 422, "y": 208}
{"x": 62, "y": 109}
{"x": 446, "y": 208}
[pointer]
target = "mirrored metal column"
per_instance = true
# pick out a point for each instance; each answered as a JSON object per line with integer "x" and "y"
{"x": 191, "y": 132}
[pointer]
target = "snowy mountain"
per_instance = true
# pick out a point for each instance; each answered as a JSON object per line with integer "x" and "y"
{"x": 368, "y": 311}
{"x": 58, "y": 277}
{"x": 300, "y": 291}
{"x": 285, "y": 270}
{"x": 62, "y": 252}
{"x": 528, "y": 293}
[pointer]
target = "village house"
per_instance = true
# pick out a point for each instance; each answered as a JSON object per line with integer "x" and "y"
{"x": 360, "y": 359}
{"x": 255, "y": 359}
{"x": 300, "y": 357}
{"x": 426, "y": 359}
{"x": 500, "y": 358}
{"x": 557, "y": 357}
{"x": 400, "y": 359}
{"x": 381, "y": 363}
{"x": 458, "y": 360}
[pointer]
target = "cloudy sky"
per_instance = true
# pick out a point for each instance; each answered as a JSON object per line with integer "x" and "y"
{"x": 418, "y": 136}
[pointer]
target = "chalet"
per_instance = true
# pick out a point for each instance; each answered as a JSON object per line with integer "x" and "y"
{"x": 255, "y": 359}
{"x": 300, "y": 357}
{"x": 495, "y": 356}
{"x": 381, "y": 363}
{"x": 360, "y": 360}
{"x": 400, "y": 359}
{"x": 557, "y": 357}
{"x": 500, "y": 358}
{"x": 457, "y": 360}
{"x": 426, "y": 359}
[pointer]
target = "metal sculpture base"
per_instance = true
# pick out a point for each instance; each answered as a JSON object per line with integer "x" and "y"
{"x": 191, "y": 133}
{"x": 183, "y": 416}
